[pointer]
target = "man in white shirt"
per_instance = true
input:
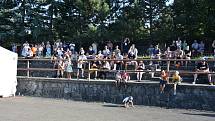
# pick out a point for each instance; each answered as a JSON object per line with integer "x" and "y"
{"x": 106, "y": 51}
{"x": 80, "y": 63}
{"x": 72, "y": 47}
{"x": 25, "y": 49}
{"x": 94, "y": 46}
{"x": 128, "y": 101}
{"x": 118, "y": 64}
{"x": 178, "y": 43}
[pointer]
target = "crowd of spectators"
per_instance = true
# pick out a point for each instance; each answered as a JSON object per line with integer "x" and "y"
{"x": 65, "y": 56}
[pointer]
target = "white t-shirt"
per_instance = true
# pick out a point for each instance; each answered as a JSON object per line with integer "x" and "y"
{"x": 94, "y": 46}
{"x": 130, "y": 98}
{"x": 106, "y": 52}
{"x": 81, "y": 58}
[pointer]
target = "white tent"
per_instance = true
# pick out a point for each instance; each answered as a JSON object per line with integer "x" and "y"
{"x": 8, "y": 72}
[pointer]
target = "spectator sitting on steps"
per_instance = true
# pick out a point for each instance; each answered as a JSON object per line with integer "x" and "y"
{"x": 204, "y": 68}
{"x": 176, "y": 80}
{"x": 163, "y": 80}
{"x": 125, "y": 78}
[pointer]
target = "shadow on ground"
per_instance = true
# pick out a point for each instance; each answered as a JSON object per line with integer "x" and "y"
{"x": 201, "y": 114}
{"x": 112, "y": 105}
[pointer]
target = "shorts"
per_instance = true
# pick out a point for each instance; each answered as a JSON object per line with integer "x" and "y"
{"x": 163, "y": 82}
{"x": 79, "y": 69}
{"x": 176, "y": 81}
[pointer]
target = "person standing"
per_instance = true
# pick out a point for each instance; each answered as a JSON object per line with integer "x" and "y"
{"x": 61, "y": 68}
{"x": 94, "y": 46}
{"x": 14, "y": 48}
{"x": 213, "y": 45}
{"x": 178, "y": 43}
{"x": 68, "y": 66}
{"x": 140, "y": 67}
{"x": 125, "y": 46}
{"x": 48, "y": 50}
{"x": 25, "y": 49}
{"x": 150, "y": 51}
{"x": 34, "y": 50}
{"x": 80, "y": 64}
{"x": 201, "y": 48}
{"x": 195, "y": 47}
{"x": 110, "y": 46}
{"x": 106, "y": 51}
{"x": 184, "y": 45}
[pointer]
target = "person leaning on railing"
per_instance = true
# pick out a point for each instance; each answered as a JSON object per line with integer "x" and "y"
{"x": 68, "y": 65}
{"x": 95, "y": 66}
{"x": 80, "y": 65}
{"x": 105, "y": 66}
{"x": 61, "y": 68}
{"x": 140, "y": 67}
{"x": 187, "y": 54}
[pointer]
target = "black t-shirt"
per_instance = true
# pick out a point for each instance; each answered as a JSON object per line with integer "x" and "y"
{"x": 187, "y": 53}
{"x": 202, "y": 66}
{"x": 91, "y": 52}
{"x": 173, "y": 48}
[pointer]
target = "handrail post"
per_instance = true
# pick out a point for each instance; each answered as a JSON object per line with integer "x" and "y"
{"x": 28, "y": 66}
{"x": 168, "y": 65}
{"x": 88, "y": 70}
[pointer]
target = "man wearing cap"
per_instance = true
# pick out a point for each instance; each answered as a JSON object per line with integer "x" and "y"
{"x": 204, "y": 68}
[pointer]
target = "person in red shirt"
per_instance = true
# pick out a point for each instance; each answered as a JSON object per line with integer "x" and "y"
{"x": 163, "y": 80}
{"x": 125, "y": 77}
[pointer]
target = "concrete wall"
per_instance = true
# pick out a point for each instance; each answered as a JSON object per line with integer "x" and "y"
{"x": 188, "y": 96}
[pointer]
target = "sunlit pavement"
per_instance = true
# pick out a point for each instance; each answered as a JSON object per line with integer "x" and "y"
{"x": 45, "y": 109}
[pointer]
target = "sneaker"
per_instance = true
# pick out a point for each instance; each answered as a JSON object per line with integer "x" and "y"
{"x": 174, "y": 93}
{"x": 210, "y": 83}
{"x": 194, "y": 82}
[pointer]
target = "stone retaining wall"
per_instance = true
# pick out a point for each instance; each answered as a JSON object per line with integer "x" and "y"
{"x": 145, "y": 93}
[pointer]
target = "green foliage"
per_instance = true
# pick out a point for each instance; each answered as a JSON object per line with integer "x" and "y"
{"x": 143, "y": 21}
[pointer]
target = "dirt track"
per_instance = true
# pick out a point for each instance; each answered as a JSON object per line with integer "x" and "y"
{"x": 43, "y": 109}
